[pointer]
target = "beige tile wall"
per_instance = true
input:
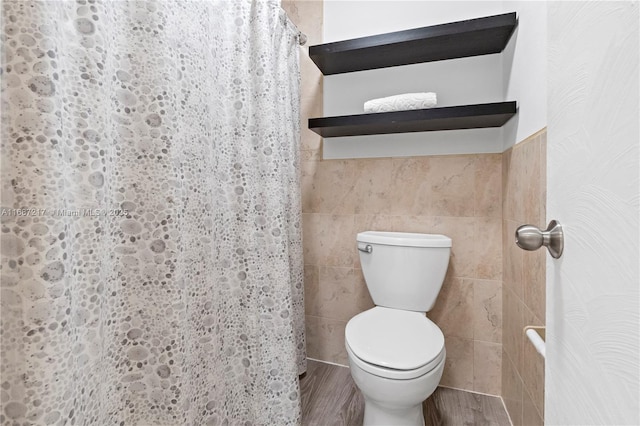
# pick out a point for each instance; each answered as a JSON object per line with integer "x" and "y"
{"x": 523, "y": 292}
{"x": 457, "y": 195}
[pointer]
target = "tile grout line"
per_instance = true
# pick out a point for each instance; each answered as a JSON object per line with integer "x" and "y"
{"x": 506, "y": 411}
{"x": 327, "y": 362}
{"x": 470, "y": 391}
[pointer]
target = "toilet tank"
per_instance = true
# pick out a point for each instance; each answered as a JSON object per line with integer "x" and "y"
{"x": 404, "y": 270}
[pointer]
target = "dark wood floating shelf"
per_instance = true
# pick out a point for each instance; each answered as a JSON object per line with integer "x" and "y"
{"x": 418, "y": 120}
{"x": 481, "y": 36}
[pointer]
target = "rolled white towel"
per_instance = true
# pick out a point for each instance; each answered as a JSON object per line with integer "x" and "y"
{"x": 402, "y": 102}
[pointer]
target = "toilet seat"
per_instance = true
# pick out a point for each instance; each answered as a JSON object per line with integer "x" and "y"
{"x": 390, "y": 373}
{"x": 394, "y": 343}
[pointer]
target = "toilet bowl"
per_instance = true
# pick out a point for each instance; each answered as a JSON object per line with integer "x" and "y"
{"x": 396, "y": 354}
{"x": 396, "y": 359}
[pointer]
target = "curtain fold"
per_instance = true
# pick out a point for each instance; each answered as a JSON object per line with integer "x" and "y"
{"x": 151, "y": 220}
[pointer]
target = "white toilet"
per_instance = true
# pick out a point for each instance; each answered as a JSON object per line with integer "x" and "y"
{"x": 396, "y": 353}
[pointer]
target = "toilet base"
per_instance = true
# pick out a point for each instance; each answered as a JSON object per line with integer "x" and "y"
{"x": 391, "y": 402}
{"x": 376, "y": 415}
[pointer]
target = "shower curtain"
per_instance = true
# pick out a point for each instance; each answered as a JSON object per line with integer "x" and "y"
{"x": 150, "y": 214}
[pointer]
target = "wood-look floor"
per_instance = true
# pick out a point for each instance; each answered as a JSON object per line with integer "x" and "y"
{"x": 329, "y": 397}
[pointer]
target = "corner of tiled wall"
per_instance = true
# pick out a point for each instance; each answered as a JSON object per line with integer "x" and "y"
{"x": 524, "y": 201}
{"x": 307, "y": 15}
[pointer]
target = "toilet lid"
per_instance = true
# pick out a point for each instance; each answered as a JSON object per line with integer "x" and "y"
{"x": 393, "y": 338}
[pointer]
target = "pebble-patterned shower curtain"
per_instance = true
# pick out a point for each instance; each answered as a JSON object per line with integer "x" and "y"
{"x": 151, "y": 238}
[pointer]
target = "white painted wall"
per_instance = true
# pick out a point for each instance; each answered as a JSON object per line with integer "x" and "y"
{"x": 345, "y": 19}
{"x": 524, "y": 76}
{"x": 593, "y": 291}
{"x": 489, "y": 78}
